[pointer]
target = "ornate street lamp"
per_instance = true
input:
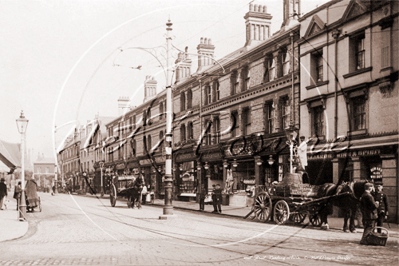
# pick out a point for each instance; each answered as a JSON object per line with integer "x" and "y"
{"x": 22, "y": 124}
{"x": 270, "y": 160}
{"x": 101, "y": 177}
{"x": 291, "y": 133}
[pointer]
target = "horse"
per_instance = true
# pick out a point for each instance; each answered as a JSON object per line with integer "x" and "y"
{"x": 134, "y": 192}
{"x": 349, "y": 202}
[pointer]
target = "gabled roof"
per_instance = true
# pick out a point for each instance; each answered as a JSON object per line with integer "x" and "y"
{"x": 45, "y": 161}
{"x": 316, "y": 25}
{"x": 355, "y": 9}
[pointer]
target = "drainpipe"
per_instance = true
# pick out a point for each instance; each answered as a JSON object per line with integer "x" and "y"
{"x": 335, "y": 34}
{"x": 292, "y": 76}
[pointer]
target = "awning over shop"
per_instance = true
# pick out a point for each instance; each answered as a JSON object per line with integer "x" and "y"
{"x": 10, "y": 154}
{"x": 341, "y": 146}
{"x": 90, "y": 136}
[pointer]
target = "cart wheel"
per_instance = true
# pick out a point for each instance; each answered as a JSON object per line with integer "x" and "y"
{"x": 298, "y": 217}
{"x": 113, "y": 195}
{"x": 281, "y": 212}
{"x": 262, "y": 207}
{"x": 315, "y": 219}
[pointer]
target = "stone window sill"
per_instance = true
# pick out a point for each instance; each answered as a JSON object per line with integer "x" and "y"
{"x": 318, "y": 84}
{"x": 357, "y": 72}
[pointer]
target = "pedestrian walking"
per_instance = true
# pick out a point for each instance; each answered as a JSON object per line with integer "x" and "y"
{"x": 369, "y": 211}
{"x": 381, "y": 198}
{"x": 202, "y": 198}
{"x": 3, "y": 192}
{"x": 17, "y": 193}
{"x": 217, "y": 199}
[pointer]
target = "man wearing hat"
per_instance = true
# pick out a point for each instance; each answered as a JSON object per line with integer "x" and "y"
{"x": 3, "y": 192}
{"x": 381, "y": 198}
{"x": 369, "y": 211}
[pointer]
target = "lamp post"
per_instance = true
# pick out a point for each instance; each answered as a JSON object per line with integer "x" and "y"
{"x": 22, "y": 124}
{"x": 101, "y": 177}
{"x": 291, "y": 133}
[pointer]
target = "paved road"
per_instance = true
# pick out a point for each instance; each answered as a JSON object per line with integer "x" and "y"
{"x": 74, "y": 230}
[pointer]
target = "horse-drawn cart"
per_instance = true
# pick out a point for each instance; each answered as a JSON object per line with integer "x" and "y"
{"x": 129, "y": 187}
{"x": 292, "y": 199}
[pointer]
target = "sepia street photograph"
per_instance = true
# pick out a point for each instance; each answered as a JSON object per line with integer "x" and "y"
{"x": 199, "y": 132}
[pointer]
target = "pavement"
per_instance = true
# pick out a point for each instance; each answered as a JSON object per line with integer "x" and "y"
{"x": 10, "y": 225}
{"x": 12, "y": 228}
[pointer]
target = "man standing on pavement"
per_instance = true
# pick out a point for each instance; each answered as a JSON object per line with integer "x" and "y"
{"x": 217, "y": 199}
{"x": 202, "y": 198}
{"x": 3, "y": 192}
{"x": 369, "y": 211}
{"x": 381, "y": 198}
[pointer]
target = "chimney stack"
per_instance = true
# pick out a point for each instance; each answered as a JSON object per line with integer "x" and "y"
{"x": 257, "y": 23}
{"x": 123, "y": 105}
{"x": 183, "y": 63}
{"x": 150, "y": 88}
{"x": 205, "y": 54}
{"x": 292, "y": 9}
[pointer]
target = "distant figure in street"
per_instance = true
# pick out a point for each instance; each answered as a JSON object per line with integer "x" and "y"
{"x": 3, "y": 192}
{"x": 217, "y": 199}
{"x": 17, "y": 193}
{"x": 381, "y": 198}
{"x": 202, "y": 198}
{"x": 369, "y": 211}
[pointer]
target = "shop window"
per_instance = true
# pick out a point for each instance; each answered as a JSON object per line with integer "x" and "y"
{"x": 269, "y": 117}
{"x": 189, "y": 99}
{"x": 183, "y": 132}
{"x": 182, "y": 101}
{"x": 190, "y": 130}
{"x": 245, "y": 78}
{"x": 246, "y": 121}
{"x": 187, "y": 179}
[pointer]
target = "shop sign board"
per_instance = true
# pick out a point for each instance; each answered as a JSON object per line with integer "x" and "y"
{"x": 249, "y": 181}
{"x": 359, "y": 153}
{"x": 376, "y": 173}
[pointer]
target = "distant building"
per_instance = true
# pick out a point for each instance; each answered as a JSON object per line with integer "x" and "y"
{"x": 44, "y": 171}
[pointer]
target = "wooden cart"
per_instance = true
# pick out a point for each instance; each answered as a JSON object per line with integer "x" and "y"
{"x": 291, "y": 199}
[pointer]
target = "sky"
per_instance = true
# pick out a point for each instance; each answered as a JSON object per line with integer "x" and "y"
{"x": 64, "y": 61}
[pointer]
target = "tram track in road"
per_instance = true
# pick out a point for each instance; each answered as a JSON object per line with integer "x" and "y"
{"x": 188, "y": 238}
{"x": 235, "y": 227}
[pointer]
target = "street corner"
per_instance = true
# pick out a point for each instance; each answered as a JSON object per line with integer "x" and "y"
{"x": 11, "y": 227}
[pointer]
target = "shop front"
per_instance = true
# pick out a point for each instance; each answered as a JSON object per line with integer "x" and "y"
{"x": 186, "y": 177}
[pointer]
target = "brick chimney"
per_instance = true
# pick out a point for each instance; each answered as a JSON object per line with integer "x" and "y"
{"x": 150, "y": 88}
{"x": 257, "y": 23}
{"x": 205, "y": 54}
{"x": 123, "y": 105}
{"x": 183, "y": 63}
{"x": 292, "y": 8}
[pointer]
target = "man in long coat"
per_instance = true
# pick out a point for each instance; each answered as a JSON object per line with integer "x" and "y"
{"x": 369, "y": 211}
{"x": 3, "y": 192}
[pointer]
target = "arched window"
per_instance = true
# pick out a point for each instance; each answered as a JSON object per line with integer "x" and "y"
{"x": 183, "y": 132}
{"x": 182, "y": 101}
{"x": 189, "y": 99}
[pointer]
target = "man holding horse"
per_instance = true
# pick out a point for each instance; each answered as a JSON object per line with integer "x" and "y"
{"x": 369, "y": 211}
